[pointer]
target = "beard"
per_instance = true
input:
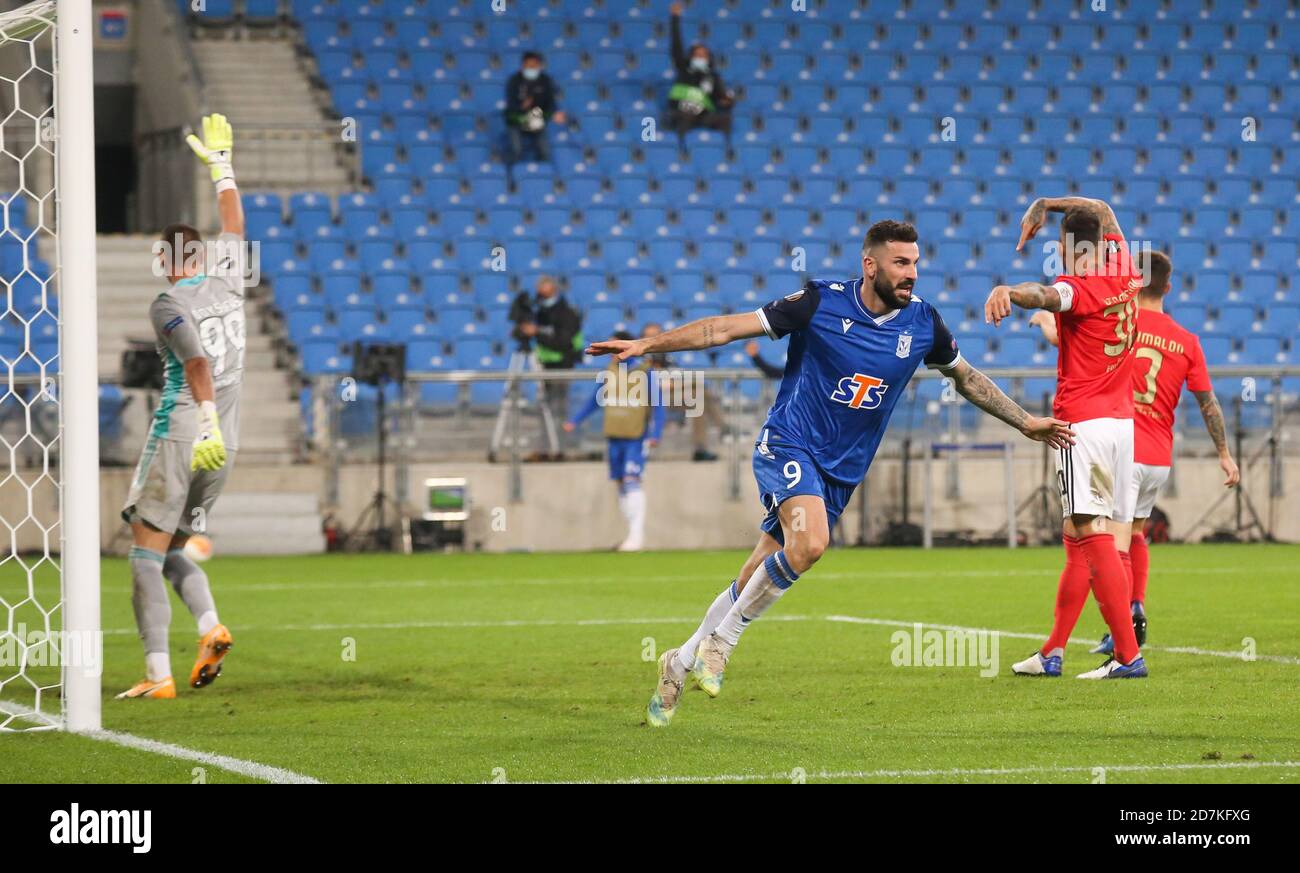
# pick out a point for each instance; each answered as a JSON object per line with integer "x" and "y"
{"x": 889, "y": 293}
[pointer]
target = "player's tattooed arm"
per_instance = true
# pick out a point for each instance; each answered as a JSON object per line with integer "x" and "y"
{"x": 1213, "y": 415}
{"x": 1032, "y": 221}
{"x": 705, "y": 333}
{"x": 982, "y": 392}
{"x": 1035, "y": 295}
{"x": 1026, "y": 295}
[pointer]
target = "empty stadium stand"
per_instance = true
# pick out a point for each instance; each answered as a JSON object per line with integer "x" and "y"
{"x": 950, "y": 113}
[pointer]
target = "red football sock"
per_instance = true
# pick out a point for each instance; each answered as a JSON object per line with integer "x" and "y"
{"x": 1071, "y": 594}
{"x": 1110, "y": 587}
{"x": 1141, "y": 559}
{"x": 1127, "y": 561}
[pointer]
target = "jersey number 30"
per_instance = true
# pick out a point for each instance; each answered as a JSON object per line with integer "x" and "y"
{"x": 1125, "y": 327}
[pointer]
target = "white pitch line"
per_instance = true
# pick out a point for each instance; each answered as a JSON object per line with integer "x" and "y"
{"x": 264, "y": 772}
{"x": 1179, "y": 650}
{"x": 453, "y": 625}
{"x": 602, "y": 622}
{"x": 787, "y": 776}
{"x": 489, "y": 582}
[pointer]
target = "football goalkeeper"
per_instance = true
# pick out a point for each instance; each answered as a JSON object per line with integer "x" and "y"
{"x": 199, "y": 323}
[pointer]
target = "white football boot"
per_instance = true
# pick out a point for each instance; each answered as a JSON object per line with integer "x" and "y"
{"x": 669, "y": 690}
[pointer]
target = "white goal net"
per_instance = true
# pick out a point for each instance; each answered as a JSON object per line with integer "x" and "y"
{"x": 49, "y": 609}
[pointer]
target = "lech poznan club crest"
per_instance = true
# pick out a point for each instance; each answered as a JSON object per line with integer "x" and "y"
{"x": 904, "y": 345}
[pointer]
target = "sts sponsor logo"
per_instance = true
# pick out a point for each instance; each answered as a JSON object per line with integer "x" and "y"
{"x": 860, "y": 391}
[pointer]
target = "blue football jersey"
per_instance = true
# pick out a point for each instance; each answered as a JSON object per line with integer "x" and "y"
{"x": 845, "y": 371}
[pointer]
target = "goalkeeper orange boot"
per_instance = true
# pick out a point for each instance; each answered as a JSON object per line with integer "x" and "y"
{"x": 212, "y": 651}
{"x": 158, "y": 689}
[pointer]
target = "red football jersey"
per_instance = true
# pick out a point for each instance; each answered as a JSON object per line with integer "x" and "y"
{"x": 1166, "y": 355}
{"x": 1094, "y": 367}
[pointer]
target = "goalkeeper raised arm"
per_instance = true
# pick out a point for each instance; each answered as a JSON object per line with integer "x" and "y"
{"x": 199, "y": 324}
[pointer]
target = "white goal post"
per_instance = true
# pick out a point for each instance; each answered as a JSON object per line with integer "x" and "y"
{"x": 50, "y": 641}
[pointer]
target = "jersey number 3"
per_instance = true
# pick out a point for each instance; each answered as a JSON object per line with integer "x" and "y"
{"x": 1157, "y": 358}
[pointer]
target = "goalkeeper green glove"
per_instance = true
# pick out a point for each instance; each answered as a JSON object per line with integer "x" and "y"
{"x": 209, "y": 448}
{"x": 215, "y": 149}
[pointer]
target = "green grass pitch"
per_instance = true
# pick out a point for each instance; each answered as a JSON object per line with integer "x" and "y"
{"x": 534, "y": 667}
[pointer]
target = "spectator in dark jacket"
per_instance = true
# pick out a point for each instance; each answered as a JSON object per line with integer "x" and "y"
{"x": 698, "y": 97}
{"x": 552, "y": 329}
{"x": 530, "y": 106}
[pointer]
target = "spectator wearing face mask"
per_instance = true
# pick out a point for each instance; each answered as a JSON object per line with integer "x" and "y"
{"x": 698, "y": 98}
{"x": 551, "y": 329}
{"x": 530, "y": 107}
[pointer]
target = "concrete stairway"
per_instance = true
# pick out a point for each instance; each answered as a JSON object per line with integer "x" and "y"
{"x": 270, "y": 426}
{"x": 245, "y": 523}
{"x": 284, "y": 138}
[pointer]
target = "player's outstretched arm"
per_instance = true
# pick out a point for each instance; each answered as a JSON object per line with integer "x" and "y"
{"x": 706, "y": 333}
{"x": 981, "y": 391}
{"x": 1036, "y": 215}
{"x": 216, "y": 151}
{"x": 1026, "y": 295}
{"x": 1213, "y": 415}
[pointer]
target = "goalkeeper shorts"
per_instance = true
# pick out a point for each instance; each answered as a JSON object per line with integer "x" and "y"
{"x": 166, "y": 494}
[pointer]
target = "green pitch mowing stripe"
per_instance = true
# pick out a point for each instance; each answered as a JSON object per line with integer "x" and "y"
{"x": 538, "y": 668}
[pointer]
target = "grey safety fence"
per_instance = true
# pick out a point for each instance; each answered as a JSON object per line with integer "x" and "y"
{"x": 933, "y": 426}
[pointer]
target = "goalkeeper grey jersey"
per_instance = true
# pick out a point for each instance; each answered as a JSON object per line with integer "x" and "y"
{"x": 200, "y": 316}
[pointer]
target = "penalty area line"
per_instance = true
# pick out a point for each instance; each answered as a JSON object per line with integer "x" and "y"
{"x": 687, "y": 620}
{"x": 1177, "y": 650}
{"x": 252, "y": 769}
{"x": 454, "y": 625}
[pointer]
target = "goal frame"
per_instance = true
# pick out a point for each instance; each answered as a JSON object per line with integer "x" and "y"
{"x": 79, "y": 516}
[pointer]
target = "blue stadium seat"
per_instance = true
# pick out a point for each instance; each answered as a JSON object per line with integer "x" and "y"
{"x": 324, "y": 357}
{"x": 822, "y": 140}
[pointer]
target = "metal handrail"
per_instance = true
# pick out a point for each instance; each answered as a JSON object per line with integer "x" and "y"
{"x": 1271, "y": 371}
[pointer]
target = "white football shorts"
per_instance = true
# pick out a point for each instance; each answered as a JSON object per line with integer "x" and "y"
{"x": 1147, "y": 483}
{"x": 1095, "y": 475}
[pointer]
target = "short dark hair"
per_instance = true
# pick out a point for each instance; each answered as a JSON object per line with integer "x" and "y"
{"x": 187, "y": 233}
{"x": 888, "y": 231}
{"x": 531, "y": 56}
{"x": 1156, "y": 268}
{"x": 179, "y": 241}
{"x": 1083, "y": 226}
